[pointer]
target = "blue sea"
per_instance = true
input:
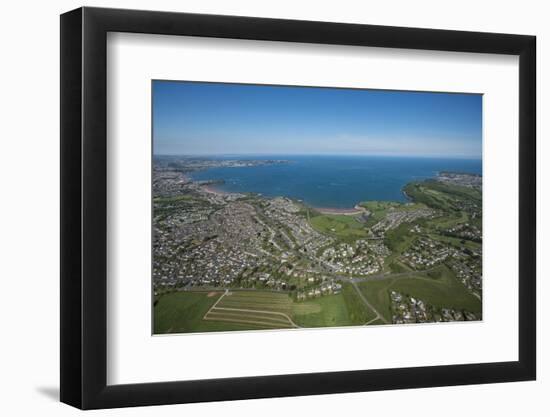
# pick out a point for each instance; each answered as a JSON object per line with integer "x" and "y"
{"x": 334, "y": 181}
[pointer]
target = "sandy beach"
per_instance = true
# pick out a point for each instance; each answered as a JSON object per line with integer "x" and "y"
{"x": 345, "y": 211}
{"x": 211, "y": 189}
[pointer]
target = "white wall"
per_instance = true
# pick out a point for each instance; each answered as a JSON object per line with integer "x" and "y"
{"x": 29, "y": 175}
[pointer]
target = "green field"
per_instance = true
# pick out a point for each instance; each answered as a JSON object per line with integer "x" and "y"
{"x": 344, "y": 309}
{"x": 197, "y": 311}
{"x": 339, "y": 225}
{"x": 439, "y": 289}
{"x": 182, "y": 312}
{"x": 399, "y": 239}
{"x": 378, "y": 210}
{"x": 358, "y": 312}
{"x": 442, "y": 196}
{"x": 456, "y": 242}
{"x": 172, "y": 199}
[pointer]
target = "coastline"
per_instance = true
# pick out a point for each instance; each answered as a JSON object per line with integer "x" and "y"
{"x": 210, "y": 188}
{"x": 356, "y": 210}
{"x": 213, "y": 190}
{"x": 209, "y": 184}
{"x": 343, "y": 211}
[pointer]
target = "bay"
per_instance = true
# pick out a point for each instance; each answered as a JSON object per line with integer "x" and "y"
{"x": 333, "y": 181}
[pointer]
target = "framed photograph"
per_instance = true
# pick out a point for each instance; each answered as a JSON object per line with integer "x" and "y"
{"x": 258, "y": 208}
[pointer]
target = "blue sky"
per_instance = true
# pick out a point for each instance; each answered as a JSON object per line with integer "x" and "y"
{"x": 192, "y": 118}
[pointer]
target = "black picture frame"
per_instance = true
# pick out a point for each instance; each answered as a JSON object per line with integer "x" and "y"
{"x": 84, "y": 207}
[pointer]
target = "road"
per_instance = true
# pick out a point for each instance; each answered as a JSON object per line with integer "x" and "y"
{"x": 379, "y": 277}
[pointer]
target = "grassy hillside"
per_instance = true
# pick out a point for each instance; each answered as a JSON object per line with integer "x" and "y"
{"x": 346, "y": 228}
{"x": 442, "y": 196}
{"x": 440, "y": 289}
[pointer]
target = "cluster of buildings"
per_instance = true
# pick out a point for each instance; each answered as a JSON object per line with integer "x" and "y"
{"x": 200, "y": 237}
{"x": 184, "y": 164}
{"x": 264, "y": 279}
{"x": 284, "y": 213}
{"x": 206, "y": 238}
{"x": 326, "y": 288}
{"x": 363, "y": 257}
{"x": 468, "y": 269}
{"x": 406, "y": 309}
{"x": 395, "y": 217}
{"x": 462, "y": 179}
{"x": 464, "y": 231}
{"x": 167, "y": 182}
{"x": 425, "y": 253}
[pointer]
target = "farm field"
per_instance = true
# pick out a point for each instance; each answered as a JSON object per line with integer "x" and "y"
{"x": 183, "y": 312}
{"x": 194, "y": 311}
{"x": 263, "y": 309}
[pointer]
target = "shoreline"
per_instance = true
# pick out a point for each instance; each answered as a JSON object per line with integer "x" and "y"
{"x": 343, "y": 211}
{"x": 323, "y": 210}
{"x": 357, "y": 209}
{"x": 213, "y": 190}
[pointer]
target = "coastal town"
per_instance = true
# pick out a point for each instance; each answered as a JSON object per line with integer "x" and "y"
{"x": 207, "y": 241}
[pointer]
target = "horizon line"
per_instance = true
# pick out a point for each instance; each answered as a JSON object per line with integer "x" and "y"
{"x": 221, "y": 154}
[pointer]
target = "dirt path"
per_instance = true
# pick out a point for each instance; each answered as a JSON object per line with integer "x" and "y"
{"x": 274, "y": 325}
{"x": 369, "y": 305}
{"x": 216, "y": 303}
{"x": 257, "y": 311}
{"x": 215, "y": 309}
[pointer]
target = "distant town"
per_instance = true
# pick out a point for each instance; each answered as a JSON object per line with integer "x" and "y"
{"x": 241, "y": 261}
